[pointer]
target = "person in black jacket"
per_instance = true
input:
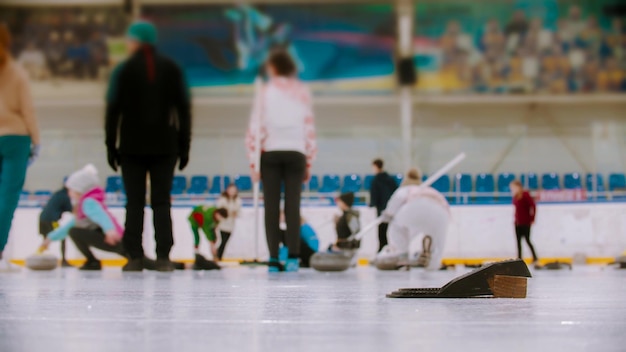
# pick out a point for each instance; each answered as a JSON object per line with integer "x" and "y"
{"x": 148, "y": 129}
{"x": 381, "y": 191}
{"x": 50, "y": 215}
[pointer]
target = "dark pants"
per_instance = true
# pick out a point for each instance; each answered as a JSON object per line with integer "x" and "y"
{"x": 288, "y": 169}
{"x": 220, "y": 250}
{"x": 134, "y": 172}
{"x": 382, "y": 235}
{"x": 306, "y": 252}
{"x": 523, "y": 232}
{"x": 305, "y": 255}
{"x": 45, "y": 227}
{"x": 382, "y": 232}
{"x": 84, "y": 238}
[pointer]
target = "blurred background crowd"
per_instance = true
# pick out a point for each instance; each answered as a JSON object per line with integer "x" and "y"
{"x": 66, "y": 42}
{"x": 578, "y": 54}
{"x": 543, "y": 46}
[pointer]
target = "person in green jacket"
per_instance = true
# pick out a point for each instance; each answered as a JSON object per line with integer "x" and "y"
{"x": 206, "y": 218}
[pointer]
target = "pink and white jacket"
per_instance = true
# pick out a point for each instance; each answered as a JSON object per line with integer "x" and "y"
{"x": 284, "y": 110}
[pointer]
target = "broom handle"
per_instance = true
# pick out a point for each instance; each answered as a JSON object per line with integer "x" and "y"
{"x": 429, "y": 181}
{"x": 258, "y": 86}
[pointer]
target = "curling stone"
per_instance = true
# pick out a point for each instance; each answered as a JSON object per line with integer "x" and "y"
{"x": 553, "y": 266}
{"x": 42, "y": 262}
{"x": 331, "y": 261}
{"x": 389, "y": 264}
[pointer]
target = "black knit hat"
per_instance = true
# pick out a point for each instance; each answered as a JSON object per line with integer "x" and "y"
{"x": 347, "y": 198}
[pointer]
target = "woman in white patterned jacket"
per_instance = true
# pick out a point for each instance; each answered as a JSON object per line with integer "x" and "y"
{"x": 282, "y": 121}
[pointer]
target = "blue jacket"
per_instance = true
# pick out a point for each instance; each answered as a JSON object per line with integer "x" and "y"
{"x": 308, "y": 235}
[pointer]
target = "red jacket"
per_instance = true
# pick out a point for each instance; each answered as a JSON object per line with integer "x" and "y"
{"x": 524, "y": 209}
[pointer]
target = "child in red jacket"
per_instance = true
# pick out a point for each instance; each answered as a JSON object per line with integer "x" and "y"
{"x": 525, "y": 211}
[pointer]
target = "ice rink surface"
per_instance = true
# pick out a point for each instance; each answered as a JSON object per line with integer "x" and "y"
{"x": 246, "y": 309}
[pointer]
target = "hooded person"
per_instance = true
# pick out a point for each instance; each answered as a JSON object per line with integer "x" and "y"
{"x": 415, "y": 211}
{"x": 92, "y": 224}
{"x": 148, "y": 131}
{"x": 348, "y": 223}
{"x": 19, "y": 138}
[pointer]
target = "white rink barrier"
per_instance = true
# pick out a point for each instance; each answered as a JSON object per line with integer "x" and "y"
{"x": 597, "y": 230}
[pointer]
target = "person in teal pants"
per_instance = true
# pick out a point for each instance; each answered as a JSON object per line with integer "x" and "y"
{"x": 19, "y": 138}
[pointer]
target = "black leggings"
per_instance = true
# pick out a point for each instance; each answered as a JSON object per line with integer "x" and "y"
{"x": 135, "y": 169}
{"x": 523, "y": 232}
{"x": 225, "y": 237}
{"x": 84, "y": 238}
{"x": 382, "y": 235}
{"x": 277, "y": 169}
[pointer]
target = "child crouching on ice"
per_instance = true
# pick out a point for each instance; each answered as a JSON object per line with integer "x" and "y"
{"x": 92, "y": 224}
{"x": 346, "y": 225}
{"x": 207, "y": 219}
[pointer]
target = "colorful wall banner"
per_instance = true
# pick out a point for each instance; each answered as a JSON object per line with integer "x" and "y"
{"x": 341, "y": 47}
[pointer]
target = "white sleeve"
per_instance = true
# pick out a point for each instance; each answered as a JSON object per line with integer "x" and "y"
{"x": 396, "y": 202}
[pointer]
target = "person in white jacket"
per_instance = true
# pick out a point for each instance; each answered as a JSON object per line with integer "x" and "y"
{"x": 282, "y": 124}
{"x": 415, "y": 211}
{"x": 230, "y": 201}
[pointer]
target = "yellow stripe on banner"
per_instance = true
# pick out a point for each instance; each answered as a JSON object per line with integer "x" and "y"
{"x": 364, "y": 261}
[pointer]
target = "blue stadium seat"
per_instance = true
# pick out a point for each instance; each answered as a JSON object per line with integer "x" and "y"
{"x": 442, "y": 184}
{"x": 572, "y": 181}
{"x": 219, "y": 184}
{"x": 330, "y": 183}
{"x": 199, "y": 184}
{"x": 367, "y": 183}
{"x": 617, "y": 182}
{"x": 462, "y": 183}
{"x": 114, "y": 184}
{"x": 179, "y": 185}
{"x": 398, "y": 178}
{"x": 42, "y": 193}
{"x": 352, "y": 183}
{"x": 599, "y": 182}
{"x": 504, "y": 179}
{"x": 530, "y": 181}
{"x": 485, "y": 187}
{"x": 314, "y": 183}
{"x": 550, "y": 181}
{"x": 243, "y": 183}
{"x": 485, "y": 183}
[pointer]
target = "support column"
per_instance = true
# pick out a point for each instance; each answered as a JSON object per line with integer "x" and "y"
{"x": 405, "y": 49}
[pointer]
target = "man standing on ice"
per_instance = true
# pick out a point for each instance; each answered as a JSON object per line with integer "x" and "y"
{"x": 413, "y": 211}
{"x": 148, "y": 131}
